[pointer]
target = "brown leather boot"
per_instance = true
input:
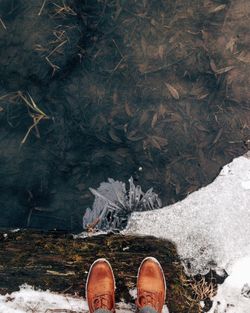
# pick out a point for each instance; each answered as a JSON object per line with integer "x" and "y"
{"x": 100, "y": 286}
{"x": 151, "y": 285}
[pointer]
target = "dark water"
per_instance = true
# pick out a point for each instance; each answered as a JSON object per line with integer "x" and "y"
{"x": 149, "y": 89}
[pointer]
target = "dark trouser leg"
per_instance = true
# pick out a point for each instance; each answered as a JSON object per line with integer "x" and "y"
{"x": 147, "y": 309}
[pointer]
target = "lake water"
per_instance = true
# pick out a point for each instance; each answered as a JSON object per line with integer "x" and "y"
{"x": 97, "y": 89}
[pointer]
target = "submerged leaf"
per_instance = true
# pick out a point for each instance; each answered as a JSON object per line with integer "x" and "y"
{"x": 157, "y": 142}
{"x": 128, "y": 110}
{"x": 224, "y": 70}
{"x": 213, "y": 66}
{"x": 113, "y": 136}
{"x": 218, "y": 8}
{"x": 154, "y": 120}
{"x": 161, "y": 51}
{"x": 244, "y": 57}
{"x": 174, "y": 93}
{"x": 144, "y": 117}
{"x": 162, "y": 110}
{"x": 134, "y": 136}
{"x": 230, "y": 45}
{"x": 221, "y": 70}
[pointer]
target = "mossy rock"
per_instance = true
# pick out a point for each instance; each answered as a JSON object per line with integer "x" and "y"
{"x": 58, "y": 262}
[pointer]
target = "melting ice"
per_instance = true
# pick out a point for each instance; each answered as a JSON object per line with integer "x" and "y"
{"x": 211, "y": 229}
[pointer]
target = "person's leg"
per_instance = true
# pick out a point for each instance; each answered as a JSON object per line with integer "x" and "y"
{"x": 147, "y": 309}
{"x": 151, "y": 287}
{"x": 100, "y": 288}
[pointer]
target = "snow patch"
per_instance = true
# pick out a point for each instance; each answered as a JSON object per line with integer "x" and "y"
{"x": 234, "y": 295}
{"x": 30, "y": 300}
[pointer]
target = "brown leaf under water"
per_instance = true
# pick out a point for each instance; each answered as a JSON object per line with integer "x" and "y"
{"x": 225, "y": 70}
{"x": 115, "y": 98}
{"x": 154, "y": 119}
{"x": 176, "y": 117}
{"x": 144, "y": 45}
{"x": 230, "y": 45}
{"x": 201, "y": 97}
{"x": 244, "y": 57}
{"x": 162, "y": 110}
{"x": 201, "y": 127}
{"x": 122, "y": 152}
{"x": 213, "y": 66}
{"x": 128, "y": 109}
{"x": 218, "y": 8}
{"x": 134, "y": 136}
{"x": 174, "y": 93}
{"x": 221, "y": 70}
{"x": 161, "y": 51}
{"x": 113, "y": 136}
{"x": 157, "y": 142}
{"x": 162, "y": 141}
{"x": 144, "y": 117}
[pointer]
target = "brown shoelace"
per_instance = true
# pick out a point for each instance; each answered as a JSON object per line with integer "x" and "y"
{"x": 101, "y": 301}
{"x": 147, "y": 298}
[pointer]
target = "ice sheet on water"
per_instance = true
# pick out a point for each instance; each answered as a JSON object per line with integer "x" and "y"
{"x": 211, "y": 229}
{"x": 113, "y": 204}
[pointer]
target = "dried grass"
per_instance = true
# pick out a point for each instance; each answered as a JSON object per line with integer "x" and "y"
{"x": 201, "y": 290}
{"x": 33, "y": 110}
{"x": 63, "y": 9}
{"x": 2, "y": 23}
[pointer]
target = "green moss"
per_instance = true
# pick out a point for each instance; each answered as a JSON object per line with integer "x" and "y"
{"x": 41, "y": 259}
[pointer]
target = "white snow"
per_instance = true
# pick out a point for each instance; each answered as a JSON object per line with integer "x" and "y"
{"x": 211, "y": 229}
{"x": 29, "y": 300}
{"x": 234, "y": 294}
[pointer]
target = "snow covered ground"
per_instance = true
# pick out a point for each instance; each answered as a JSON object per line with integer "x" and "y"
{"x": 37, "y": 301}
{"x": 29, "y": 300}
{"x": 211, "y": 229}
{"x": 234, "y": 295}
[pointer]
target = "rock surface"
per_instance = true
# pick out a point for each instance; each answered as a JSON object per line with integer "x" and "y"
{"x": 57, "y": 262}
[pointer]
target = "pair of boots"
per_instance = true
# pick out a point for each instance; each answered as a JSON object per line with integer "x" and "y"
{"x": 151, "y": 287}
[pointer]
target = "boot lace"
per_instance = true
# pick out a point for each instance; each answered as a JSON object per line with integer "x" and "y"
{"x": 101, "y": 301}
{"x": 147, "y": 298}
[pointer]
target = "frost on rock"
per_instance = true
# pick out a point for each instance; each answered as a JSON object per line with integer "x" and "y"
{"x": 113, "y": 204}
